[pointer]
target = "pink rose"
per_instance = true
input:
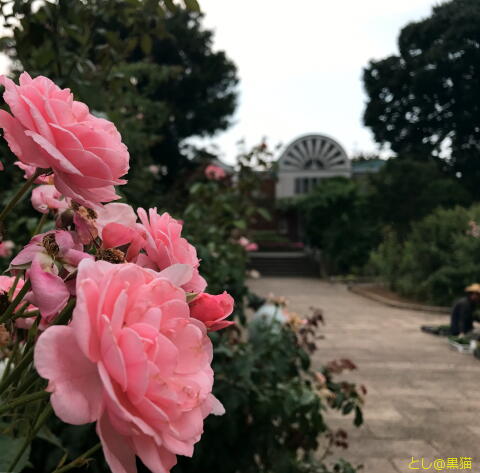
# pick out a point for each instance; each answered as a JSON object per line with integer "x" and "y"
{"x": 134, "y": 361}
{"x": 84, "y": 222}
{"x": 247, "y": 244}
{"x": 165, "y": 246}
{"x": 46, "y": 197}
{"x": 122, "y": 214}
{"x": 48, "y": 129}
{"x": 118, "y": 227}
{"x": 154, "y": 169}
{"x": 212, "y": 310}
{"x": 214, "y": 172}
{"x": 6, "y": 248}
{"x": 50, "y": 258}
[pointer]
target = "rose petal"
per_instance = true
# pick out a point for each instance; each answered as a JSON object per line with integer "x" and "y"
{"x": 73, "y": 379}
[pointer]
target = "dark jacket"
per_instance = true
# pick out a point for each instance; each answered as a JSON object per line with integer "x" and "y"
{"x": 462, "y": 316}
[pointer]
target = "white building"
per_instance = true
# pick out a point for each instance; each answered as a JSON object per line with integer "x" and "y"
{"x": 306, "y": 161}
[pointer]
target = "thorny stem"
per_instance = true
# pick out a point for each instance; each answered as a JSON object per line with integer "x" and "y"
{"x": 20, "y": 401}
{"x": 45, "y": 414}
{"x": 14, "y": 285}
{"x": 79, "y": 461}
{"x": 40, "y": 224}
{"x": 21, "y": 314}
{"x": 63, "y": 317}
{"x": 27, "y": 383}
{"x": 24, "y": 362}
{"x": 20, "y": 193}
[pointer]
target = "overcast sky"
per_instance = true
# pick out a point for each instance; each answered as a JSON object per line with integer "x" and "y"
{"x": 300, "y": 64}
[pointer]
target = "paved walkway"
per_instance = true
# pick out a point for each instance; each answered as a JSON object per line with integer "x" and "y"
{"x": 423, "y": 398}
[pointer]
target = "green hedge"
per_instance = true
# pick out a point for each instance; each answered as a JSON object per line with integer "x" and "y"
{"x": 438, "y": 258}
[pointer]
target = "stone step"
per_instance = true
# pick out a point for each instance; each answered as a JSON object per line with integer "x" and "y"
{"x": 283, "y": 264}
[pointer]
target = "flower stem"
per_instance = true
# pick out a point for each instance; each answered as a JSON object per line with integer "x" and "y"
{"x": 45, "y": 414}
{"x": 63, "y": 317}
{"x": 79, "y": 461}
{"x": 17, "y": 371}
{"x": 27, "y": 383}
{"x": 21, "y": 314}
{"x": 20, "y": 193}
{"x": 40, "y": 224}
{"x": 14, "y": 304}
{"x": 14, "y": 285}
{"x": 23, "y": 400}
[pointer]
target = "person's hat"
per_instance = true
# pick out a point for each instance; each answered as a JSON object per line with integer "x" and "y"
{"x": 473, "y": 288}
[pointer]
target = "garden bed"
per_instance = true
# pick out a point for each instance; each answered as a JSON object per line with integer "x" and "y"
{"x": 385, "y": 296}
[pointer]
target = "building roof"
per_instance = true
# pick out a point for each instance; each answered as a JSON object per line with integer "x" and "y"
{"x": 369, "y": 166}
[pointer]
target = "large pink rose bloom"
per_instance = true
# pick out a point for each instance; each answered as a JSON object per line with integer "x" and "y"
{"x": 165, "y": 246}
{"x": 133, "y": 360}
{"x": 48, "y": 129}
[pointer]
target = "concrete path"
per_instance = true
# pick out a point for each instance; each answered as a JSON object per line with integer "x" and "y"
{"x": 423, "y": 398}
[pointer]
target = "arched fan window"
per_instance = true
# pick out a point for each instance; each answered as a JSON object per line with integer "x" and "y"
{"x": 314, "y": 153}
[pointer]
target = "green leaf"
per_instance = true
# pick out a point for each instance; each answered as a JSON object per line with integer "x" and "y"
{"x": 190, "y": 296}
{"x": 358, "y": 421}
{"x": 131, "y": 44}
{"x": 45, "y": 55}
{"x": 170, "y": 6}
{"x": 196, "y": 188}
{"x": 47, "y": 435}
{"x": 192, "y": 5}
{"x": 9, "y": 448}
{"x": 146, "y": 43}
{"x": 240, "y": 224}
{"x": 264, "y": 213}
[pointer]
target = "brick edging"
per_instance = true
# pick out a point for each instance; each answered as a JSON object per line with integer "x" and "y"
{"x": 362, "y": 290}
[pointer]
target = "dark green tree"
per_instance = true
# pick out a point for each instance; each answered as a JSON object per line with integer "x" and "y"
{"x": 406, "y": 190}
{"x": 427, "y": 98}
{"x": 338, "y": 221}
{"x": 346, "y": 218}
{"x": 151, "y": 69}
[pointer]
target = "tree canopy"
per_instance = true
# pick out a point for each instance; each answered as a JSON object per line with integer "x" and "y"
{"x": 151, "y": 69}
{"x": 425, "y": 101}
{"x": 405, "y": 191}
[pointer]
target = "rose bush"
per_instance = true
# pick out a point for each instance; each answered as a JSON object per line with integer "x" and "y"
{"x": 108, "y": 307}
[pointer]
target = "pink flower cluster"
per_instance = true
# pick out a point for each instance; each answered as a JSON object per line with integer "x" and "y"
{"x": 135, "y": 357}
{"x": 247, "y": 244}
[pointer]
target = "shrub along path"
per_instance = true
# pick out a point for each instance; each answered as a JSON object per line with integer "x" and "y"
{"x": 423, "y": 398}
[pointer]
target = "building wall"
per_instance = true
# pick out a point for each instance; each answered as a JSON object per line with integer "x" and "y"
{"x": 287, "y": 187}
